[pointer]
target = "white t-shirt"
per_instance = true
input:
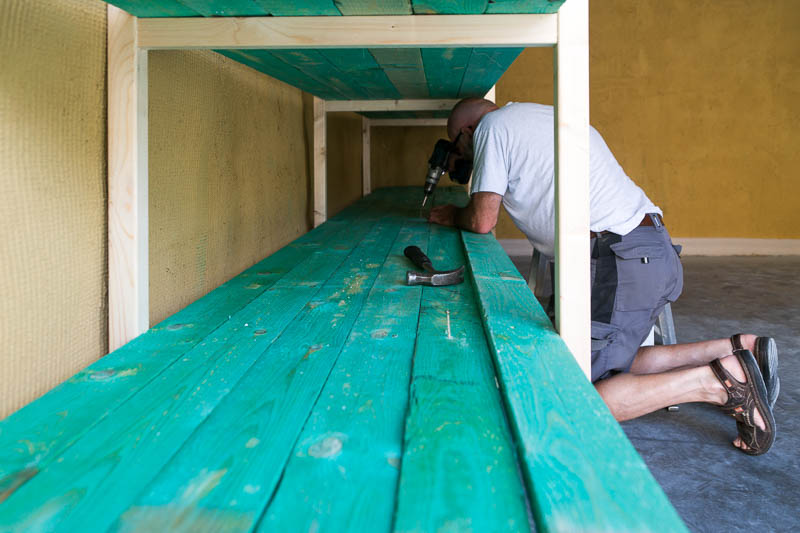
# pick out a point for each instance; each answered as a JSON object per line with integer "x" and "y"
{"x": 514, "y": 157}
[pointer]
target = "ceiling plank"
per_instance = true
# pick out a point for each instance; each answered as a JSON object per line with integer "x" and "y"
{"x": 485, "y": 67}
{"x": 449, "y": 7}
{"x": 165, "y": 8}
{"x": 361, "y": 68}
{"x": 374, "y": 7}
{"x": 403, "y": 66}
{"x": 282, "y": 8}
{"x": 225, "y": 8}
{"x": 316, "y": 67}
{"x": 444, "y": 69}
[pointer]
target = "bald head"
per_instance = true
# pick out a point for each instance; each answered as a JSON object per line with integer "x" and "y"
{"x": 467, "y": 113}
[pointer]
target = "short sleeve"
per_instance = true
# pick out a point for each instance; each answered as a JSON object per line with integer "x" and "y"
{"x": 490, "y": 172}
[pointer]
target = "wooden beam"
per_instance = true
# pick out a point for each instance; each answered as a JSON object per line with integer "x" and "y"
{"x": 390, "y": 105}
{"x": 366, "y": 178}
{"x": 572, "y": 273}
{"x": 408, "y": 122}
{"x": 491, "y": 95}
{"x": 128, "y": 274}
{"x": 320, "y": 163}
{"x": 417, "y": 31}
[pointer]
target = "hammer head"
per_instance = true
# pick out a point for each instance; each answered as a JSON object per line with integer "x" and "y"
{"x": 435, "y": 279}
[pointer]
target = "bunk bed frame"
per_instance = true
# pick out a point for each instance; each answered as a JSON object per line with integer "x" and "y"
{"x": 130, "y": 38}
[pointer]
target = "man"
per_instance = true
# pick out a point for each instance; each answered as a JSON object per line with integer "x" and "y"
{"x": 635, "y": 271}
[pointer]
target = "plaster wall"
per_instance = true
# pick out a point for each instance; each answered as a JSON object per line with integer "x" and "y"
{"x": 53, "y": 260}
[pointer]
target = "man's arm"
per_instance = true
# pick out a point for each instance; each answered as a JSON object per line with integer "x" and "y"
{"x": 479, "y": 216}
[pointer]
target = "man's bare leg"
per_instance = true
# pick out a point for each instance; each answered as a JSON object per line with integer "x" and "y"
{"x": 632, "y": 395}
{"x": 656, "y": 359}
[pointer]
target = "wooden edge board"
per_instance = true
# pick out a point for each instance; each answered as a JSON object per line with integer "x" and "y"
{"x": 459, "y": 464}
{"x": 354, "y": 436}
{"x": 160, "y": 415}
{"x": 418, "y": 104}
{"x": 559, "y": 419}
{"x": 241, "y": 449}
{"x": 448, "y": 31}
{"x": 408, "y": 122}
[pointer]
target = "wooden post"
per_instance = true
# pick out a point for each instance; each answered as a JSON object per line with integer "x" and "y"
{"x": 492, "y": 94}
{"x": 572, "y": 276}
{"x": 320, "y": 173}
{"x": 366, "y": 178}
{"x": 128, "y": 275}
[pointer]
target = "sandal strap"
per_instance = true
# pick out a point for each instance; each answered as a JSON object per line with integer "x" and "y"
{"x": 740, "y": 404}
{"x": 736, "y": 342}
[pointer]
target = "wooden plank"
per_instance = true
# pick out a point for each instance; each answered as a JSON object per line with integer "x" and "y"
{"x": 444, "y": 31}
{"x": 572, "y": 261}
{"x": 557, "y": 416}
{"x": 484, "y": 69}
{"x": 403, "y": 67}
{"x": 409, "y": 122}
{"x": 314, "y": 65}
{"x": 165, "y": 8}
{"x": 38, "y": 433}
{"x": 128, "y": 269}
{"x": 458, "y": 470}
{"x": 374, "y": 7}
{"x": 264, "y": 61}
{"x": 419, "y": 104}
{"x": 354, "y": 437}
{"x": 281, "y": 8}
{"x": 358, "y": 63}
{"x": 366, "y": 152}
{"x": 234, "y": 460}
{"x": 449, "y": 7}
{"x": 320, "y": 163}
{"x": 225, "y": 8}
{"x": 524, "y": 6}
{"x": 108, "y": 466}
{"x": 444, "y": 70}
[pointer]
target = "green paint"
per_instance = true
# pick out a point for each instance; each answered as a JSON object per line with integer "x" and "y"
{"x": 374, "y": 7}
{"x": 146, "y": 430}
{"x": 354, "y": 437}
{"x": 225, "y": 8}
{"x": 524, "y": 6}
{"x": 314, "y": 65}
{"x": 358, "y": 63}
{"x": 444, "y": 70}
{"x": 281, "y": 8}
{"x": 557, "y": 416}
{"x": 154, "y": 8}
{"x": 234, "y": 460}
{"x": 403, "y": 66}
{"x": 459, "y": 471}
{"x": 449, "y": 7}
{"x": 484, "y": 68}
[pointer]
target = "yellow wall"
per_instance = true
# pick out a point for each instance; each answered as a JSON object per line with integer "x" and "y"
{"x": 53, "y": 257}
{"x": 227, "y": 173}
{"x": 700, "y": 103}
{"x": 344, "y": 160}
{"x": 229, "y": 184}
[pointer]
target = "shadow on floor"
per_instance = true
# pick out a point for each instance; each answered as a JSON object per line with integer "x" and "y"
{"x": 713, "y": 486}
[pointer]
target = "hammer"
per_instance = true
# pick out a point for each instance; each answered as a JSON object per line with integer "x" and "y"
{"x": 432, "y": 277}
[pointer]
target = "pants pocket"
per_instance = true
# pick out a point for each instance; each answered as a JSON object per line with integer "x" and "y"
{"x": 641, "y": 275}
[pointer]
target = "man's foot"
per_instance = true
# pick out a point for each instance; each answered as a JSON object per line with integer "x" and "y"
{"x": 744, "y": 401}
{"x": 765, "y": 350}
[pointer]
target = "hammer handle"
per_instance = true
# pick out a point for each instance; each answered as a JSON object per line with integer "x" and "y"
{"x": 418, "y": 258}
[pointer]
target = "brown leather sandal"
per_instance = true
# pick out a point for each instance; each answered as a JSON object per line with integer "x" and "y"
{"x": 744, "y": 399}
{"x": 766, "y": 354}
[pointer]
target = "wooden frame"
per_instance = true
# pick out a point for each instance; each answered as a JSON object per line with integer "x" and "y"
{"x": 129, "y": 38}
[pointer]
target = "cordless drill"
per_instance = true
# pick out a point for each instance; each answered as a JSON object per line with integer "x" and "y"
{"x": 437, "y": 165}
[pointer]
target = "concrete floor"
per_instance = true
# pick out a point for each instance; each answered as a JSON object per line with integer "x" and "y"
{"x": 713, "y": 486}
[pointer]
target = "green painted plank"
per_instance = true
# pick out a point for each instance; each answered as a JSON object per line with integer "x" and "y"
{"x": 264, "y": 62}
{"x": 314, "y": 65}
{"x": 524, "y": 6}
{"x": 281, "y": 8}
{"x": 355, "y": 432}
{"x": 374, "y": 7}
{"x": 154, "y": 8}
{"x": 360, "y": 67}
{"x": 444, "y": 69}
{"x": 450, "y": 7}
{"x": 485, "y": 67}
{"x": 404, "y": 68}
{"x": 459, "y": 471}
{"x": 225, "y": 8}
{"x": 39, "y": 432}
{"x": 96, "y": 476}
{"x": 557, "y": 416}
{"x": 234, "y": 460}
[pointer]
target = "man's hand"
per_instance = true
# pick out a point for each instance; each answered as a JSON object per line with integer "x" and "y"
{"x": 479, "y": 216}
{"x": 444, "y": 215}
